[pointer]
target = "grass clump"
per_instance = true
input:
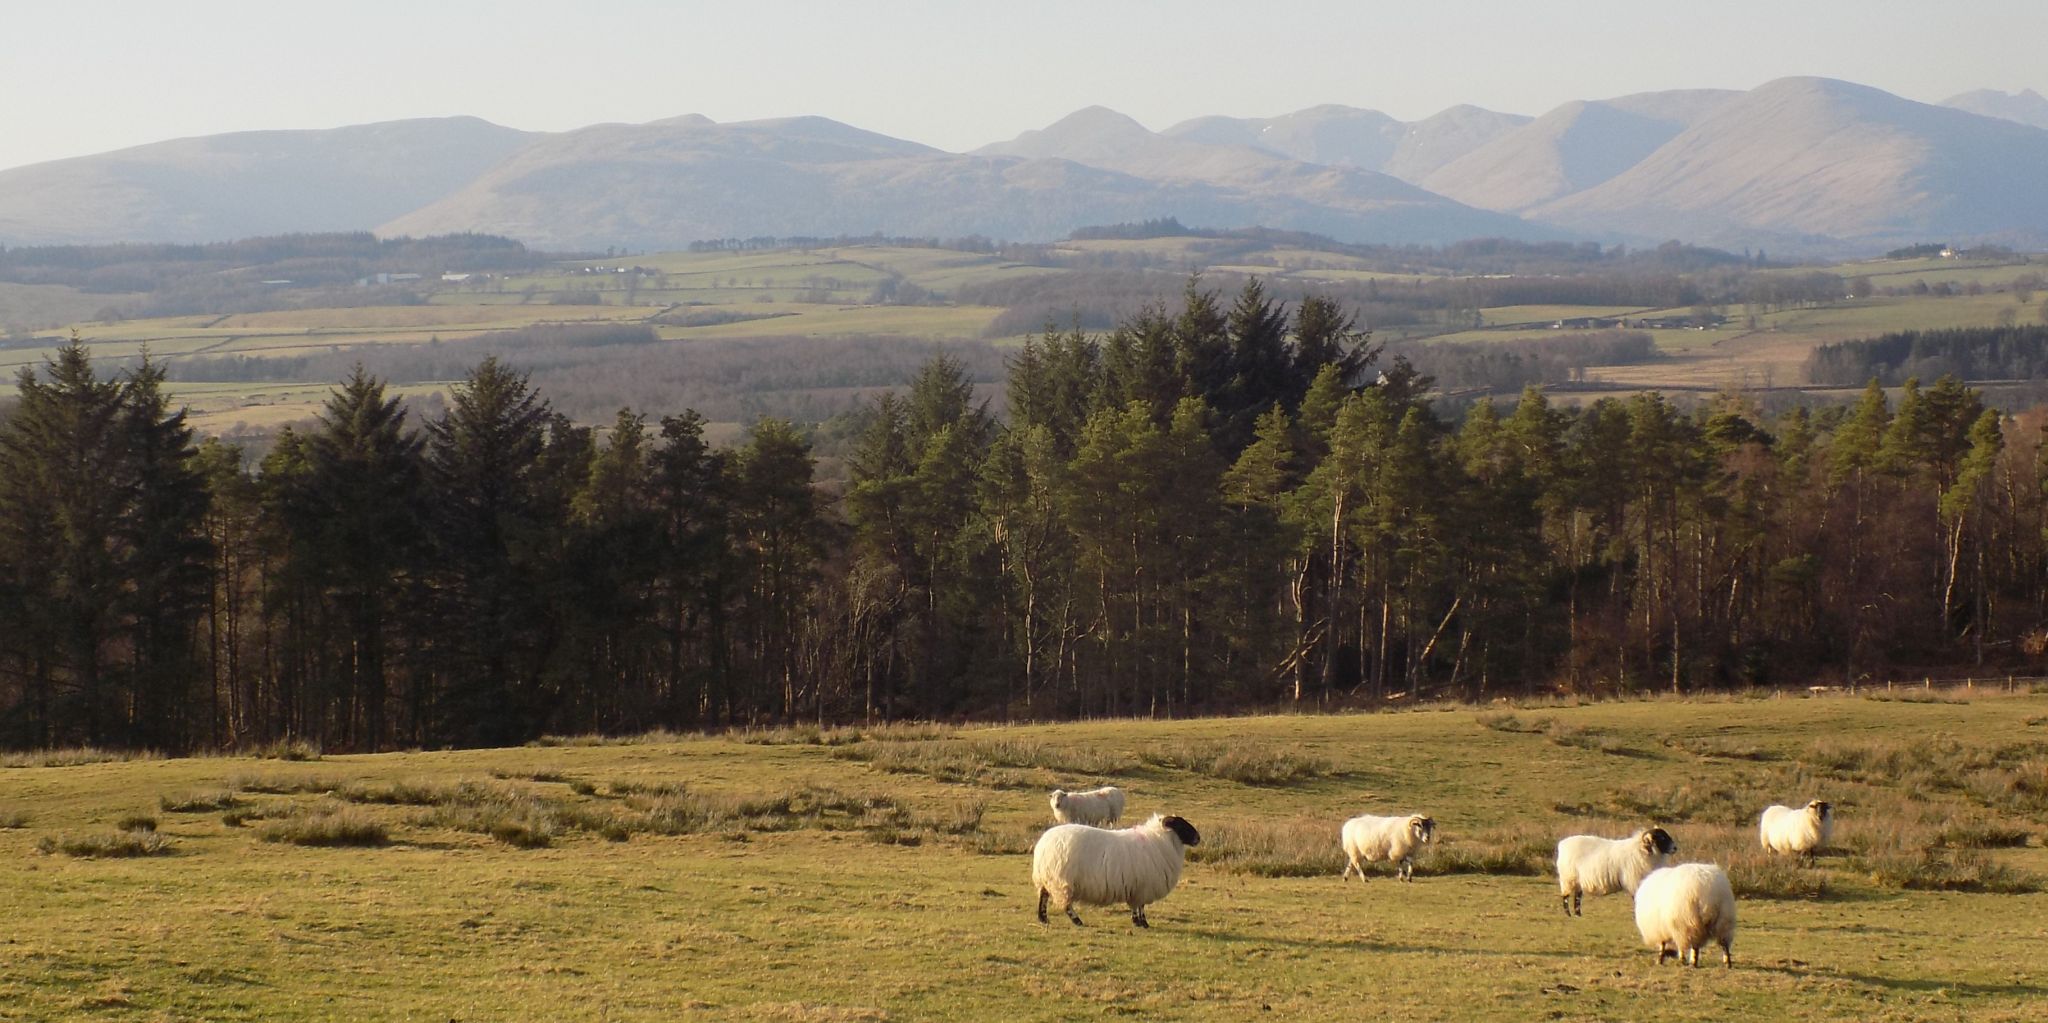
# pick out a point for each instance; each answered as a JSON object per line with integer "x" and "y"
{"x": 1065, "y": 760}
{"x": 1244, "y": 763}
{"x": 1981, "y": 833}
{"x": 119, "y": 845}
{"x": 287, "y": 749}
{"x": 1513, "y": 852}
{"x": 11, "y": 819}
{"x": 136, "y": 822}
{"x": 197, "y": 802}
{"x": 338, "y": 826}
{"x": 76, "y": 756}
{"x": 1294, "y": 847}
{"x": 544, "y": 776}
{"x": 281, "y": 784}
{"x": 1962, "y": 870}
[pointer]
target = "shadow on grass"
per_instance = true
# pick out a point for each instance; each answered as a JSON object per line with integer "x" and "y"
{"x": 1921, "y": 985}
{"x": 1369, "y": 945}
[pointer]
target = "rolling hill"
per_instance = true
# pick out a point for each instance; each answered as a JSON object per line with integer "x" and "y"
{"x": 1570, "y": 149}
{"x": 671, "y": 182}
{"x": 219, "y": 187}
{"x": 1814, "y": 159}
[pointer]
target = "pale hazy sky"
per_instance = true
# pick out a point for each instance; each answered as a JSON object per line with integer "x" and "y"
{"x": 84, "y": 77}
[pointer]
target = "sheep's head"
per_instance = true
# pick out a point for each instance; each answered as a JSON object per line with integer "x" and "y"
{"x": 1423, "y": 828}
{"x": 1059, "y": 798}
{"x": 1658, "y": 842}
{"x": 1182, "y": 830}
{"x": 1820, "y": 809}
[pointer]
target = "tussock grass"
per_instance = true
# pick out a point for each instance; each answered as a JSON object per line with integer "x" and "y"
{"x": 197, "y": 802}
{"x": 1247, "y": 763}
{"x": 287, "y": 749}
{"x": 12, "y": 819}
{"x": 280, "y": 784}
{"x": 1518, "y": 851}
{"x": 1559, "y": 733}
{"x": 77, "y": 756}
{"x": 119, "y": 845}
{"x": 939, "y": 760}
{"x": 846, "y": 735}
{"x": 136, "y": 822}
{"x": 1289, "y": 847}
{"x": 327, "y": 826}
{"x": 1717, "y": 748}
{"x": 642, "y": 739}
{"x": 1655, "y": 803}
{"x": 1059, "y": 759}
{"x": 544, "y": 776}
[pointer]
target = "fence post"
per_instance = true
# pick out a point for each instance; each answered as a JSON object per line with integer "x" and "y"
{"x": 1927, "y": 683}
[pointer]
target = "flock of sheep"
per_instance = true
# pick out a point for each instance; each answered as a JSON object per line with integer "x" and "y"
{"x": 1680, "y": 909}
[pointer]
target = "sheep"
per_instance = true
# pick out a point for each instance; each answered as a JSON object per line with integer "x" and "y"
{"x": 1679, "y": 909}
{"x": 1801, "y": 832}
{"x": 1102, "y": 867}
{"x": 1095, "y": 806}
{"x": 1587, "y": 865}
{"x": 1393, "y": 839}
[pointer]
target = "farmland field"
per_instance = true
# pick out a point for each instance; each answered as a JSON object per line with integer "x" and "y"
{"x": 834, "y": 294}
{"x": 841, "y": 875}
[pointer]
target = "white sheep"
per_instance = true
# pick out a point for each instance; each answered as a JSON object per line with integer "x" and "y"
{"x": 1103, "y": 867}
{"x": 1801, "y": 832}
{"x": 1680, "y": 909}
{"x": 1589, "y": 865}
{"x": 1394, "y": 839}
{"x": 1095, "y": 806}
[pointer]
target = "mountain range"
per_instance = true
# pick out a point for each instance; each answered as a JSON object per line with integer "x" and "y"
{"x": 1796, "y": 164}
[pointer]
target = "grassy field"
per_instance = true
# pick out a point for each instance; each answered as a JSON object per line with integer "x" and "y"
{"x": 840, "y": 875}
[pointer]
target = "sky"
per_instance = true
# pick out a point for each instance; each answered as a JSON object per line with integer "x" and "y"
{"x": 79, "y": 78}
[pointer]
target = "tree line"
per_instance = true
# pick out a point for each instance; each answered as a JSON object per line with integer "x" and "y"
{"x": 1218, "y": 504}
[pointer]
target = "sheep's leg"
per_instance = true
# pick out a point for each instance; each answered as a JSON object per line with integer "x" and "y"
{"x": 1665, "y": 951}
{"x": 1351, "y": 864}
{"x": 1043, "y": 898}
{"x": 1071, "y": 915}
{"x": 1138, "y": 915}
{"x": 1566, "y": 898}
{"x": 1407, "y": 869}
{"x": 1727, "y": 955}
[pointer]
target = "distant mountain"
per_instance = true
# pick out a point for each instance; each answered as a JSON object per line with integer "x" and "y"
{"x": 1797, "y": 165}
{"x": 2025, "y": 106}
{"x": 1803, "y": 159}
{"x": 1570, "y": 149}
{"x": 671, "y": 182}
{"x": 1349, "y": 137}
{"x": 219, "y": 187}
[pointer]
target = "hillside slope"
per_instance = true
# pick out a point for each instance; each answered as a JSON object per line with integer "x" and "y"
{"x": 220, "y": 187}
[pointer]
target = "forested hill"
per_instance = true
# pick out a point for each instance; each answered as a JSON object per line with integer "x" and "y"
{"x": 1223, "y": 505}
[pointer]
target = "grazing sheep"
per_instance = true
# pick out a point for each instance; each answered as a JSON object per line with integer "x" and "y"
{"x": 1101, "y": 867}
{"x": 1587, "y": 865}
{"x": 1679, "y": 909}
{"x": 1394, "y": 839}
{"x": 1095, "y": 806}
{"x": 1801, "y": 832}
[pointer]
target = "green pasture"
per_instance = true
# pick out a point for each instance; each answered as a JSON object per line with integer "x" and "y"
{"x": 801, "y": 874}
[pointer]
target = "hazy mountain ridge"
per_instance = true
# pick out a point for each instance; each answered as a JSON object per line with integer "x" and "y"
{"x": 243, "y": 184}
{"x": 668, "y": 183}
{"x": 1806, "y": 158}
{"x": 2025, "y": 106}
{"x": 1796, "y": 163}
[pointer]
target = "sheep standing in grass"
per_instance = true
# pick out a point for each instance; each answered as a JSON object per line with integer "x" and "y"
{"x": 1801, "y": 832}
{"x": 1099, "y": 867}
{"x": 1394, "y": 839}
{"x": 1680, "y": 909}
{"x": 1588, "y": 865}
{"x": 1095, "y": 806}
